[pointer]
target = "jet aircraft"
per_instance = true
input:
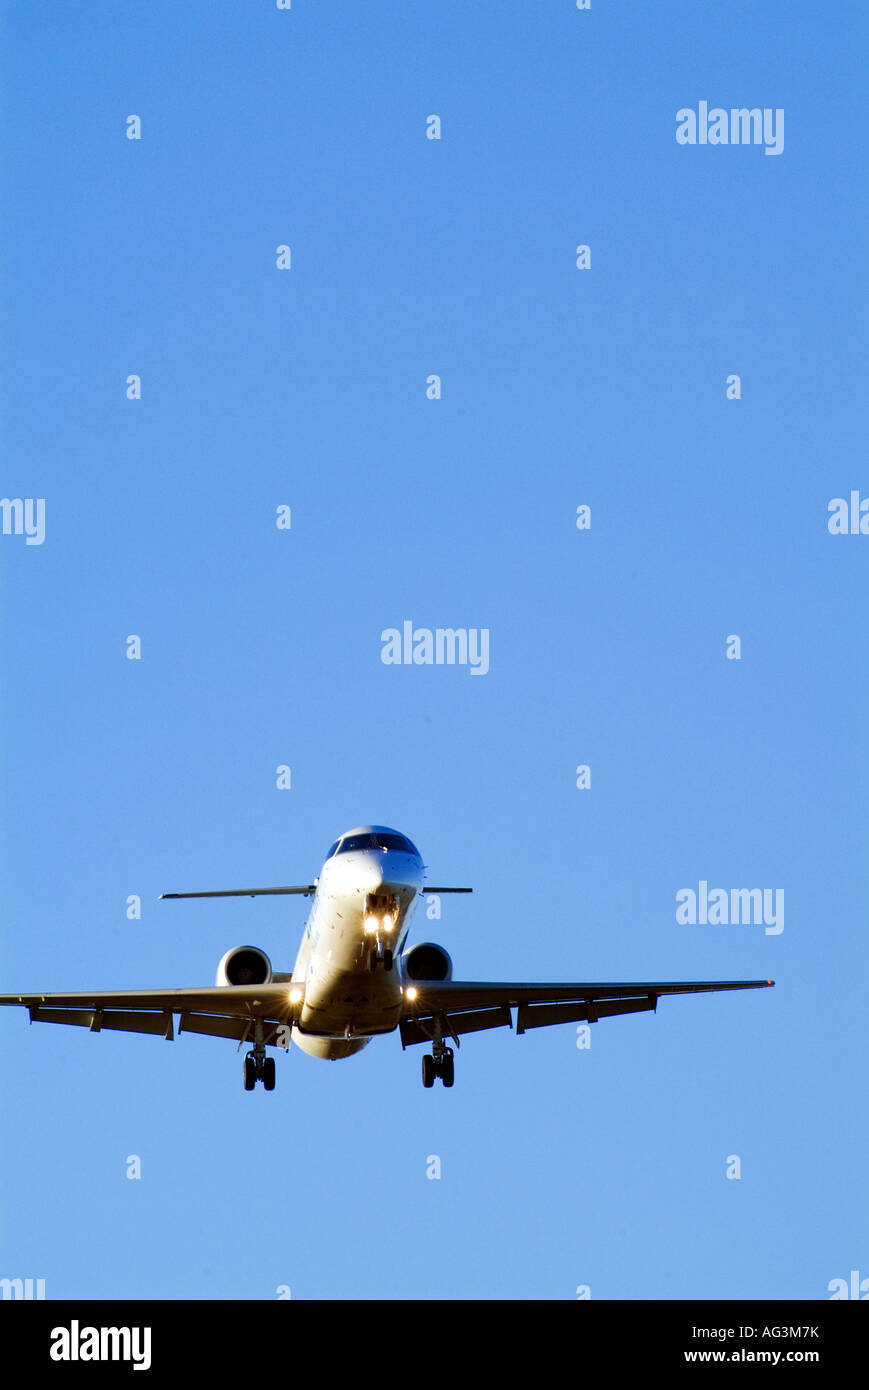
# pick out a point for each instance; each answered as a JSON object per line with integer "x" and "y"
{"x": 354, "y": 978}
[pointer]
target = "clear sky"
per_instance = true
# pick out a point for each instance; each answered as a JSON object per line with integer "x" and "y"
{"x": 260, "y": 647}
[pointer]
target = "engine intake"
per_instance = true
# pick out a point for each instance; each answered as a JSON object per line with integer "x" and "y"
{"x": 244, "y": 965}
{"x": 427, "y": 961}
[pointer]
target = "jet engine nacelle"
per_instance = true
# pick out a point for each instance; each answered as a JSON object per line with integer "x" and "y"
{"x": 426, "y": 962}
{"x": 244, "y": 965}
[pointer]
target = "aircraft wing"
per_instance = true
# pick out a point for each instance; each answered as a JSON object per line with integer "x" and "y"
{"x": 223, "y": 1011}
{"x": 306, "y": 889}
{"x": 471, "y": 1007}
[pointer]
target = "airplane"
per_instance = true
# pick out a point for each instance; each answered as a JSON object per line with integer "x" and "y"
{"x": 353, "y": 979}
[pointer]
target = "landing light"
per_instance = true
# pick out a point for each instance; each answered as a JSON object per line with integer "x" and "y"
{"x": 371, "y": 924}
{"x": 410, "y": 992}
{"x": 295, "y": 996}
{"x": 388, "y": 922}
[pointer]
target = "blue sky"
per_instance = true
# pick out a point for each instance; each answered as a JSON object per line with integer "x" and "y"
{"x": 260, "y": 647}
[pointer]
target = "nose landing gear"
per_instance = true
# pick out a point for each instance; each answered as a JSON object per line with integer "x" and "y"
{"x": 381, "y": 915}
{"x": 379, "y": 954}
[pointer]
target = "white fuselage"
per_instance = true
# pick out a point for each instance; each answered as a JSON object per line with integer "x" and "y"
{"x": 363, "y": 903}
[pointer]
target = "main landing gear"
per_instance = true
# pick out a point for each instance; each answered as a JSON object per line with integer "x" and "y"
{"x": 438, "y": 1066}
{"x": 439, "y": 1062}
{"x": 259, "y": 1069}
{"x": 257, "y": 1066}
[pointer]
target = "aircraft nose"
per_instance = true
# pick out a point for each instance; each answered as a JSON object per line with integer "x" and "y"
{"x": 397, "y": 874}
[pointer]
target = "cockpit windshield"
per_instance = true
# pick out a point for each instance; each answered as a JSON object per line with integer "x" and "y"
{"x": 376, "y": 839}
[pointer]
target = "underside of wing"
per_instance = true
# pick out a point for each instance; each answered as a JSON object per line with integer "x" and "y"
{"x": 222, "y": 1011}
{"x": 457, "y": 1007}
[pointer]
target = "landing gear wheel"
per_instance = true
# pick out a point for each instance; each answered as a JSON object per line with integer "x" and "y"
{"x": 447, "y": 1070}
{"x": 249, "y": 1072}
{"x": 387, "y": 959}
{"x": 372, "y": 961}
{"x": 269, "y": 1074}
{"x": 428, "y": 1070}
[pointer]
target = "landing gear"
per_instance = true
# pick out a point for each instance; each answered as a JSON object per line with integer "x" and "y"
{"x": 439, "y": 1062}
{"x": 380, "y": 914}
{"x": 259, "y": 1069}
{"x": 380, "y": 955}
{"x": 257, "y": 1066}
{"x": 438, "y": 1066}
